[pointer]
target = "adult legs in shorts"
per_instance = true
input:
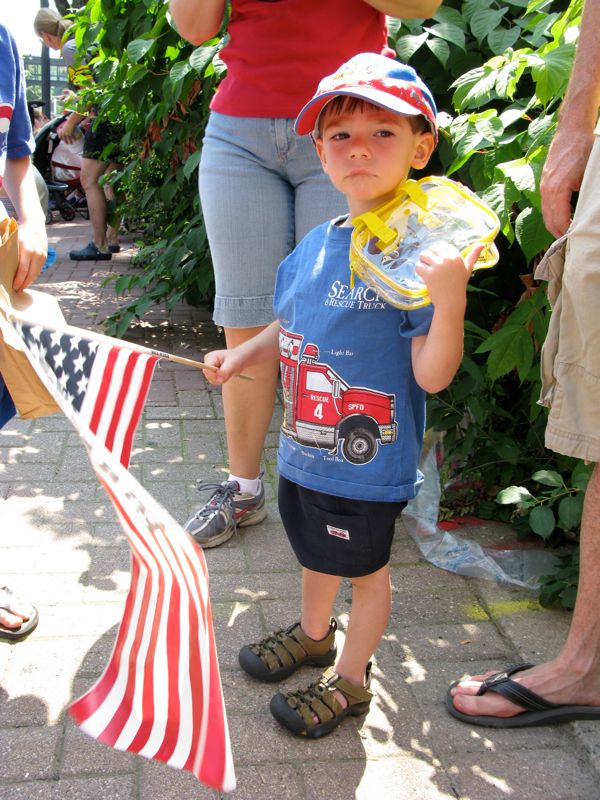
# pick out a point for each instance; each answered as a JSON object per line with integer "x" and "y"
{"x": 92, "y": 170}
{"x": 262, "y": 189}
{"x": 573, "y": 677}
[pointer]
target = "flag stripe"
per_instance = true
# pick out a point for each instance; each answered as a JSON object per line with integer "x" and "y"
{"x": 115, "y": 419}
{"x": 146, "y": 365}
{"x": 102, "y": 391}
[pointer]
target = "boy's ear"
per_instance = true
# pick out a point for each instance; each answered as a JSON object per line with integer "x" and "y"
{"x": 423, "y": 150}
{"x": 321, "y": 153}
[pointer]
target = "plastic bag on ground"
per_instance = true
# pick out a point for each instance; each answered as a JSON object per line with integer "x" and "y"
{"x": 516, "y": 567}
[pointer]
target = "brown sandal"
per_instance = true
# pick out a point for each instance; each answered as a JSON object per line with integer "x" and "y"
{"x": 297, "y": 710}
{"x": 281, "y": 653}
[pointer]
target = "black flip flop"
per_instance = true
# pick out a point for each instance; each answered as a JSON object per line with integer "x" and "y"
{"x": 27, "y": 627}
{"x": 538, "y": 710}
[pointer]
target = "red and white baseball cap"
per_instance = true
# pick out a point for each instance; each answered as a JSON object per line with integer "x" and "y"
{"x": 377, "y": 79}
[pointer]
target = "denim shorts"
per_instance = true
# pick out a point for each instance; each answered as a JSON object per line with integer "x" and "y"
{"x": 337, "y": 535}
{"x": 262, "y": 189}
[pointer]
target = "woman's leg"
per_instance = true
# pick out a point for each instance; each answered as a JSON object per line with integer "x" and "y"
{"x": 248, "y": 408}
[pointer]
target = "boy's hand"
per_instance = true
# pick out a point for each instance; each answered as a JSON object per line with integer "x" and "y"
{"x": 228, "y": 363}
{"x": 446, "y": 273}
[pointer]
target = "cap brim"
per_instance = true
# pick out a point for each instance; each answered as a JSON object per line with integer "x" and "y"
{"x": 307, "y": 118}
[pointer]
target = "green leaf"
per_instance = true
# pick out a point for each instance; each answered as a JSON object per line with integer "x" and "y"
{"x": 531, "y": 232}
{"x": 192, "y": 163}
{"x": 542, "y": 521}
{"x": 501, "y": 39}
{"x": 548, "y": 478}
{"x": 450, "y": 16}
{"x": 510, "y": 349}
{"x": 440, "y": 50}
{"x": 202, "y": 57}
{"x": 570, "y": 510}
{"x": 568, "y": 597}
{"x": 138, "y": 48}
{"x": 450, "y": 32}
{"x": 179, "y": 71}
{"x": 581, "y": 475}
{"x": 485, "y": 20}
{"x": 407, "y": 46}
{"x": 520, "y": 173}
{"x": 512, "y": 495}
{"x": 509, "y": 451}
{"x": 551, "y": 75}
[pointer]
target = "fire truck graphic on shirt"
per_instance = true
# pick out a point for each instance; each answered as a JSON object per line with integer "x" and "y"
{"x": 321, "y": 410}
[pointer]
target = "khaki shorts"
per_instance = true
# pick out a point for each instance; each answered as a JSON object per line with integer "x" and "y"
{"x": 571, "y": 352}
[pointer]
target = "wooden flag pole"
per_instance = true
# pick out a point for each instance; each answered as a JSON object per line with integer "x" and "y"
{"x": 140, "y": 348}
{"x": 190, "y": 362}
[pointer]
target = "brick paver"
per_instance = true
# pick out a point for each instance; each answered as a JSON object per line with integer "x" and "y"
{"x": 62, "y": 548}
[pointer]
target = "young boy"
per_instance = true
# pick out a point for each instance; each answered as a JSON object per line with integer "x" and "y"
{"x": 354, "y": 374}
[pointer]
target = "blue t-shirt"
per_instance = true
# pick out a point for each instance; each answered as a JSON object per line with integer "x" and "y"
{"x": 16, "y": 138}
{"x": 354, "y": 416}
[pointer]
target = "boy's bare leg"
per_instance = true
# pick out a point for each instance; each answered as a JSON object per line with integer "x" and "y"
{"x": 248, "y": 407}
{"x": 318, "y": 596}
{"x": 369, "y": 615}
{"x": 371, "y": 604}
{"x": 574, "y": 675}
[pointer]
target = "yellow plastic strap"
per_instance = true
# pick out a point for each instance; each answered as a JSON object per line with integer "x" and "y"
{"x": 377, "y": 227}
{"x": 416, "y": 194}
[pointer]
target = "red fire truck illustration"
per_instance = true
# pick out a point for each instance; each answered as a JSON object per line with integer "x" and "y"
{"x": 321, "y": 410}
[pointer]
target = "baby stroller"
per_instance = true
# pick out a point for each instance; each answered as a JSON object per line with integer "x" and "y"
{"x": 60, "y": 166}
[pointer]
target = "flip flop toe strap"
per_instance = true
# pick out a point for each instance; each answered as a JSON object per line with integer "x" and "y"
{"x": 6, "y": 599}
{"x": 502, "y": 683}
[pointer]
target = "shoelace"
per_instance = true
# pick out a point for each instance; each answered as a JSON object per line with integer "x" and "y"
{"x": 222, "y": 493}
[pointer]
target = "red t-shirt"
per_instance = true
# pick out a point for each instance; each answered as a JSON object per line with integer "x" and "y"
{"x": 280, "y": 49}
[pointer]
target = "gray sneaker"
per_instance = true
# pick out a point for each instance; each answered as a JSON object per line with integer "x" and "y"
{"x": 227, "y": 509}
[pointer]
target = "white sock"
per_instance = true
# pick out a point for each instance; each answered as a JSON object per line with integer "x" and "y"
{"x": 247, "y": 486}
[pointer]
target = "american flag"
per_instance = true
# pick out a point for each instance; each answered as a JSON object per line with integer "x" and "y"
{"x": 103, "y": 383}
{"x": 160, "y": 695}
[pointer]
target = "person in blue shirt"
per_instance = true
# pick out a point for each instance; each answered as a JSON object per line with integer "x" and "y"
{"x": 17, "y": 619}
{"x": 352, "y": 364}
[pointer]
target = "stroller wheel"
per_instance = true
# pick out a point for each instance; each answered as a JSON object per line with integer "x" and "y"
{"x": 67, "y": 213}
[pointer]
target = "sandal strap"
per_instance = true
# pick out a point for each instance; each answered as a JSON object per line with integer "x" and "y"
{"x": 319, "y": 699}
{"x": 287, "y": 647}
{"x": 502, "y": 683}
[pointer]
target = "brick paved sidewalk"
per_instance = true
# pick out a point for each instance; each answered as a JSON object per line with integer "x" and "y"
{"x": 62, "y": 548}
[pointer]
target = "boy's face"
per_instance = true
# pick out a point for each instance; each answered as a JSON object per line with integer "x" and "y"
{"x": 368, "y": 152}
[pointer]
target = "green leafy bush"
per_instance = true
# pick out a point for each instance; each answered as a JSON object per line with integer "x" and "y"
{"x": 158, "y": 88}
{"x": 499, "y": 71}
